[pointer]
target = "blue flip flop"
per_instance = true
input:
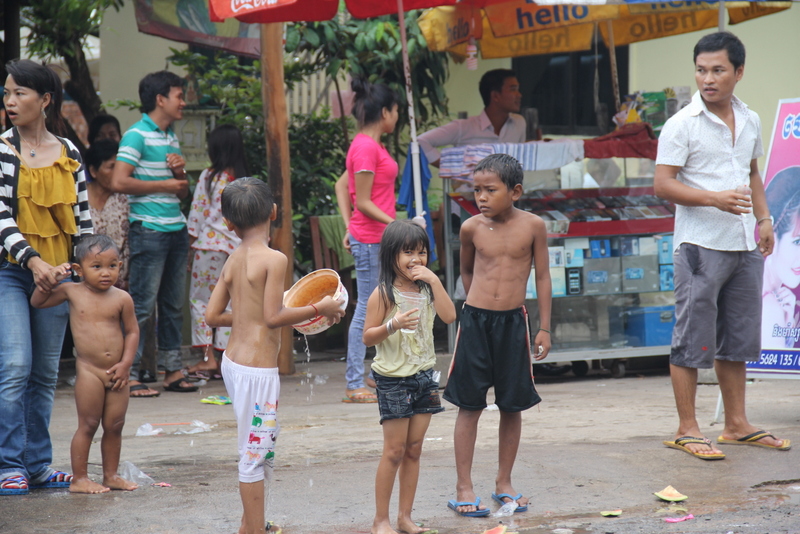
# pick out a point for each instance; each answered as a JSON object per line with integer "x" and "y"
{"x": 58, "y": 479}
{"x": 15, "y": 485}
{"x": 500, "y": 496}
{"x": 453, "y": 505}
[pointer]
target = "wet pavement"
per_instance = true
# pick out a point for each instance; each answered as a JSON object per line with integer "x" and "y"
{"x": 593, "y": 444}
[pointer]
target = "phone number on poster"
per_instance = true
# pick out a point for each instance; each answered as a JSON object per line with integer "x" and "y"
{"x": 778, "y": 359}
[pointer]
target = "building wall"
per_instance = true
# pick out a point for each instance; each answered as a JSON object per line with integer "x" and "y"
{"x": 125, "y": 57}
{"x": 461, "y": 87}
{"x": 772, "y": 65}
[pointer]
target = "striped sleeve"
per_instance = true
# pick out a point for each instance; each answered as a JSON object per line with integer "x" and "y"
{"x": 83, "y": 217}
{"x": 131, "y": 147}
{"x": 10, "y": 236}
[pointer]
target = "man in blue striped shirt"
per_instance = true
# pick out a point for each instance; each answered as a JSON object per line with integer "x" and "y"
{"x": 150, "y": 169}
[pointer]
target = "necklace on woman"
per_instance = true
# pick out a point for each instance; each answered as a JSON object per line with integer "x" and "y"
{"x": 33, "y": 148}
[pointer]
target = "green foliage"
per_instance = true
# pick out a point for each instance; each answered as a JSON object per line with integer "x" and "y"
{"x": 59, "y": 27}
{"x": 318, "y": 149}
{"x": 372, "y": 49}
{"x": 317, "y": 144}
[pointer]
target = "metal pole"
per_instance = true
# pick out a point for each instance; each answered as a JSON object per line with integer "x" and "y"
{"x": 721, "y": 16}
{"x": 416, "y": 174}
{"x": 612, "y": 54}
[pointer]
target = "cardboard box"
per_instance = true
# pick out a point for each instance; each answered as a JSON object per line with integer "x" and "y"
{"x": 654, "y": 110}
{"x": 640, "y": 274}
{"x": 601, "y": 276}
{"x": 600, "y": 248}
{"x": 556, "y": 256}
{"x": 628, "y": 246}
{"x": 647, "y": 246}
{"x": 558, "y": 281}
{"x": 664, "y": 244}
{"x": 667, "y": 275}
{"x": 573, "y": 257}
{"x": 677, "y": 98}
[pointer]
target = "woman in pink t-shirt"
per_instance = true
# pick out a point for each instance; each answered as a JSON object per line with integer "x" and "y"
{"x": 371, "y": 176}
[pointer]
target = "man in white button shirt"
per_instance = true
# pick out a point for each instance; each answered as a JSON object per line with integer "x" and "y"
{"x": 499, "y": 122}
{"x": 707, "y": 160}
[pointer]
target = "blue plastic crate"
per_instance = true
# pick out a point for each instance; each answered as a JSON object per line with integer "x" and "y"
{"x": 649, "y": 326}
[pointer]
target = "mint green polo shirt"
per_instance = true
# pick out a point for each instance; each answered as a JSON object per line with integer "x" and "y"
{"x": 145, "y": 146}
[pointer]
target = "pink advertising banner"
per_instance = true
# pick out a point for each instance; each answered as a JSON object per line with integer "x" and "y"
{"x": 780, "y": 318}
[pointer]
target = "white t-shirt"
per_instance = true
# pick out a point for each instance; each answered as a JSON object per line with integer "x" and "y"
{"x": 700, "y": 143}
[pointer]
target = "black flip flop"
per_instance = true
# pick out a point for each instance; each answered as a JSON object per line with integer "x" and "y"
{"x": 146, "y": 376}
{"x": 176, "y": 386}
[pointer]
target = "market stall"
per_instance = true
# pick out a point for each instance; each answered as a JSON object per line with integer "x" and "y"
{"x": 610, "y": 248}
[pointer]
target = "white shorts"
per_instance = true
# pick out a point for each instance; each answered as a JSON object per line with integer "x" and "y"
{"x": 254, "y": 392}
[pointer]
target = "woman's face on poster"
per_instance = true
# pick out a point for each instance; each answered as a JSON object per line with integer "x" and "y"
{"x": 787, "y": 255}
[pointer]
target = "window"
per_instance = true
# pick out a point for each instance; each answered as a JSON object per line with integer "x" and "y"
{"x": 561, "y": 88}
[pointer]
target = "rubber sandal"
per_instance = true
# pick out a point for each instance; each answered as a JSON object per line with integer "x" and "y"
{"x": 500, "y": 496}
{"x": 754, "y": 441}
{"x": 360, "y": 396}
{"x": 195, "y": 375}
{"x": 479, "y": 512}
{"x": 16, "y": 485}
{"x": 59, "y": 479}
{"x": 146, "y": 376}
{"x": 177, "y": 387}
{"x": 680, "y": 443}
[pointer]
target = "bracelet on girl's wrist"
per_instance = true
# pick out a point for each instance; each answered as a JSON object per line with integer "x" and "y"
{"x": 545, "y": 330}
{"x": 389, "y": 327}
{"x": 316, "y": 311}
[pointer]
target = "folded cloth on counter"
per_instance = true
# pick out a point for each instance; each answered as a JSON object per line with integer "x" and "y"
{"x": 543, "y": 155}
{"x": 458, "y": 163}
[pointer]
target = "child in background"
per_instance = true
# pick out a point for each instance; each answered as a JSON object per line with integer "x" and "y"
{"x": 211, "y": 242}
{"x": 106, "y": 335}
{"x": 252, "y": 281}
{"x": 493, "y": 348}
{"x": 403, "y": 366}
{"x": 109, "y": 210}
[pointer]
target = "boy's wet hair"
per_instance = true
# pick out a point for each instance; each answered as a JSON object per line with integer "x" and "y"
{"x": 714, "y": 42}
{"x": 504, "y": 166}
{"x": 399, "y": 236}
{"x": 247, "y": 202}
{"x": 94, "y": 244}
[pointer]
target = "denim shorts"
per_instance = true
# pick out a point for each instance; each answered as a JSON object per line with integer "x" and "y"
{"x": 407, "y": 396}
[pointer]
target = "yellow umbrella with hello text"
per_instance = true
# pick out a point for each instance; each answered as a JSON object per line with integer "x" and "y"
{"x": 520, "y": 27}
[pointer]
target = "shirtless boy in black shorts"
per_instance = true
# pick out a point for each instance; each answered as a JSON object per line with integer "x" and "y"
{"x": 493, "y": 347}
